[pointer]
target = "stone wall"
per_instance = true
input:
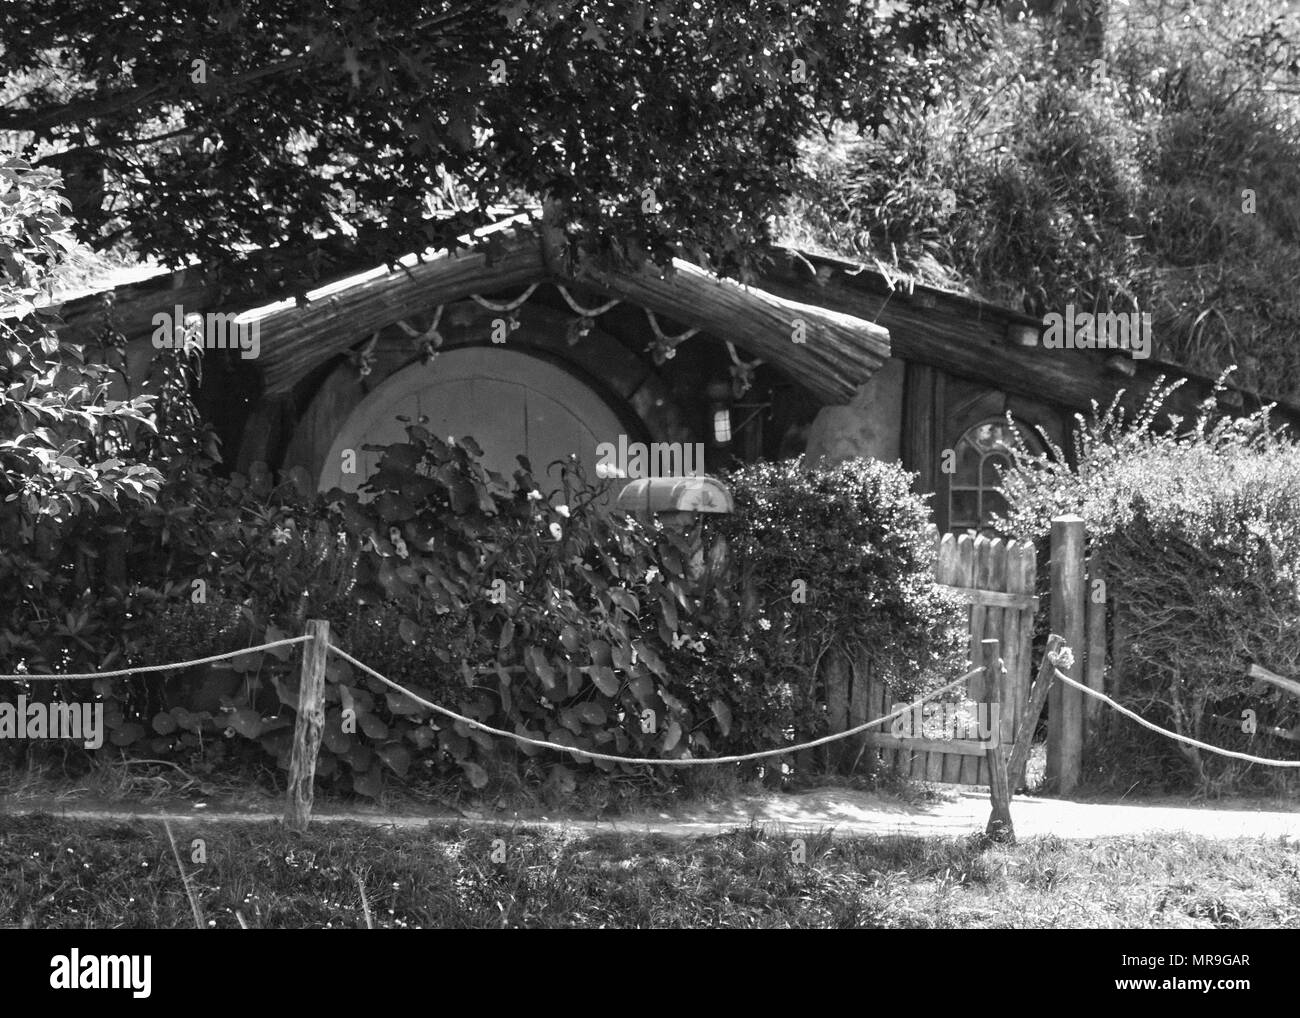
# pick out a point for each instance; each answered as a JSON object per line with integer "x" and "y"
{"x": 869, "y": 425}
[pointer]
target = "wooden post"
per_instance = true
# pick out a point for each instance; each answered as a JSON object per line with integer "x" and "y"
{"x": 1094, "y": 663}
{"x": 836, "y": 678}
{"x": 1118, "y": 655}
{"x": 308, "y": 727}
{"x": 1065, "y": 711}
{"x": 1017, "y": 646}
{"x": 859, "y": 704}
{"x": 999, "y": 827}
{"x": 1028, "y": 719}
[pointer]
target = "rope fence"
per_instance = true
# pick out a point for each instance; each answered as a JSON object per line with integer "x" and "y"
{"x": 310, "y": 718}
{"x": 1173, "y": 735}
{"x": 666, "y": 762}
{"x": 177, "y": 666}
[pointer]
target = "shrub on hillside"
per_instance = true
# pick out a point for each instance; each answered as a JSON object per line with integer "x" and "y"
{"x": 1164, "y": 179}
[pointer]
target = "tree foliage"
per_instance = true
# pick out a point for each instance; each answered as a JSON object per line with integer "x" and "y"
{"x": 197, "y": 131}
{"x": 62, "y": 441}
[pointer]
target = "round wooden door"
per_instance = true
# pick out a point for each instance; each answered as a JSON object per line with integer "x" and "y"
{"x": 509, "y": 402}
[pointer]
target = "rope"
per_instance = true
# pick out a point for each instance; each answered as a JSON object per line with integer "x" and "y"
{"x": 1173, "y": 735}
{"x": 669, "y": 341}
{"x": 685, "y": 762}
{"x": 430, "y": 333}
{"x": 22, "y": 677}
{"x": 513, "y": 305}
{"x": 579, "y": 309}
{"x": 735, "y": 357}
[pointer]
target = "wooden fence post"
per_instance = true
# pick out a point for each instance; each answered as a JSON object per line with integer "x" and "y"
{"x": 1065, "y": 710}
{"x": 1027, "y": 721}
{"x": 999, "y": 827}
{"x": 1118, "y": 655}
{"x": 308, "y": 727}
{"x": 836, "y": 679}
{"x": 1094, "y": 662}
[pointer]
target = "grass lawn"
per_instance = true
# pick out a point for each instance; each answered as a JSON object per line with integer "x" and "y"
{"x": 68, "y": 874}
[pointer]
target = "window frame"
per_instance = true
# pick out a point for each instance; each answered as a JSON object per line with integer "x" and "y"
{"x": 982, "y": 490}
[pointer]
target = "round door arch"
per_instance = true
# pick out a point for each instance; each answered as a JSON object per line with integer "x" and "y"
{"x": 510, "y": 403}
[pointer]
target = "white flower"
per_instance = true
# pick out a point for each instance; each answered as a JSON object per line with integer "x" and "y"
{"x": 652, "y": 574}
{"x": 563, "y": 510}
{"x": 764, "y": 625}
{"x": 556, "y": 532}
{"x": 534, "y": 496}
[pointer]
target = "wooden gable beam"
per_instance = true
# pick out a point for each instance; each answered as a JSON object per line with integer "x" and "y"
{"x": 829, "y": 352}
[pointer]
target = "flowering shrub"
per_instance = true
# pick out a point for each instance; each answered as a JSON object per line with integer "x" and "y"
{"x": 1198, "y": 528}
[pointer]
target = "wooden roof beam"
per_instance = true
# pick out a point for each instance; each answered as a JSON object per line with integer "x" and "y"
{"x": 829, "y": 352}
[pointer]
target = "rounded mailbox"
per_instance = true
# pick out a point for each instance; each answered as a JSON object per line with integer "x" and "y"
{"x": 698, "y": 494}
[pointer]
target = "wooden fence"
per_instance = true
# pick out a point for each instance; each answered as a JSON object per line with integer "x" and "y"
{"x": 997, "y": 578}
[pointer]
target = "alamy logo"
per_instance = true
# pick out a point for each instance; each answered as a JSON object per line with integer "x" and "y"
{"x": 947, "y": 721}
{"x": 73, "y": 971}
{"x": 38, "y": 720}
{"x": 217, "y": 330}
{"x": 635, "y": 460}
{"x": 1104, "y": 330}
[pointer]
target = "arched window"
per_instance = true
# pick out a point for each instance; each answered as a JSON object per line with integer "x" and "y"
{"x": 982, "y": 453}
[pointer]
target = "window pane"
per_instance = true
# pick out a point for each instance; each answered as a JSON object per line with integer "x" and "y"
{"x": 964, "y": 511}
{"x": 991, "y": 469}
{"x": 992, "y": 503}
{"x": 968, "y": 464}
{"x": 986, "y": 436}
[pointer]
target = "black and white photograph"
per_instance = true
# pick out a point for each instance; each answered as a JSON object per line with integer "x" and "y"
{"x": 693, "y": 464}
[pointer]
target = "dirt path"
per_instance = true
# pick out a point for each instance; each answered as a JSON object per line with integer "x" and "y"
{"x": 843, "y": 811}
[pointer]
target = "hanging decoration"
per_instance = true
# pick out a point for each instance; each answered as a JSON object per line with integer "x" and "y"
{"x": 427, "y": 342}
{"x": 586, "y": 312}
{"x": 742, "y": 373}
{"x": 663, "y": 348}
{"x": 364, "y": 357}
{"x": 579, "y": 328}
{"x": 508, "y": 308}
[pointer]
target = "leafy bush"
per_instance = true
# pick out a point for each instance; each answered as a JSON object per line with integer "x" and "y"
{"x": 550, "y": 618}
{"x": 544, "y": 617}
{"x": 835, "y": 571}
{"x": 67, "y": 464}
{"x": 1198, "y": 529}
{"x": 861, "y": 543}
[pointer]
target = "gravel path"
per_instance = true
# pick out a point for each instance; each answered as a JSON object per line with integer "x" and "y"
{"x": 843, "y": 811}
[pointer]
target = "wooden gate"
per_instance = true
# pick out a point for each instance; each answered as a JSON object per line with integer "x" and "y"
{"x": 997, "y": 578}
